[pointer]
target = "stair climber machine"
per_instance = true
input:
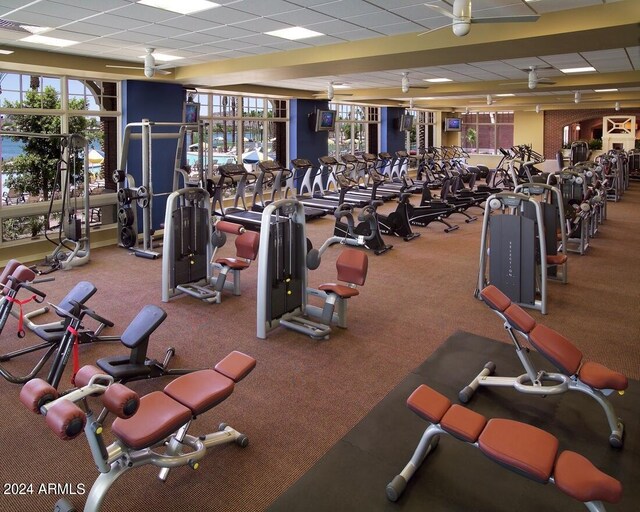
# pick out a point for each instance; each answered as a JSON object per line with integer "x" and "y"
{"x": 280, "y": 179}
{"x": 286, "y": 256}
{"x": 368, "y": 225}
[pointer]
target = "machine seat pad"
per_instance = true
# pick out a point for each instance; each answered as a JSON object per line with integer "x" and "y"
{"x": 236, "y": 365}
{"x": 463, "y": 423}
{"x": 600, "y": 377}
{"x": 233, "y": 263}
{"x": 80, "y": 293}
{"x": 247, "y": 245}
{"x": 51, "y": 333}
{"x": 352, "y": 266}
{"x": 8, "y": 270}
{"x": 120, "y": 368}
{"x": 556, "y": 259}
{"x": 344, "y": 292}
{"x": 201, "y": 390}
{"x": 519, "y": 318}
{"x": 494, "y": 298}
{"x": 579, "y": 478}
{"x": 525, "y": 449}
{"x": 428, "y": 403}
{"x": 21, "y": 274}
{"x": 158, "y": 416}
{"x": 556, "y": 348}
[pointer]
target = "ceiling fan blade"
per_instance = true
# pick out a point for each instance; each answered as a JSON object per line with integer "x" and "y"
{"x": 507, "y": 19}
{"x": 162, "y": 71}
{"x": 441, "y": 10}
{"x": 546, "y": 81}
{"x": 124, "y": 67}
{"x": 433, "y": 30}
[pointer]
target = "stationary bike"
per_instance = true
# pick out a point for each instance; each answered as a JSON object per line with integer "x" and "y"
{"x": 397, "y": 222}
{"x": 368, "y": 227}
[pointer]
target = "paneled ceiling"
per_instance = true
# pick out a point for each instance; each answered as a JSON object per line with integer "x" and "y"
{"x": 365, "y": 46}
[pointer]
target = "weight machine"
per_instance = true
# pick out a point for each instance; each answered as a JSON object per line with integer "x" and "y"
{"x": 72, "y": 248}
{"x": 129, "y": 195}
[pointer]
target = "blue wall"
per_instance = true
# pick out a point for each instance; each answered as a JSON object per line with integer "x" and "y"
{"x": 155, "y": 101}
{"x": 392, "y": 138}
{"x": 305, "y": 141}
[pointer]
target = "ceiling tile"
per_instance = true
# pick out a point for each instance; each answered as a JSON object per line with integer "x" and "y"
{"x": 634, "y": 55}
{"x": 82, "y": 27}
{"x": 143, "y": 13}
{"x": 36, "y": 19}
{"x": 265, "y": 8}
{"x": 189, "y": 23}
{"x": 119, "y": 22}
{"x": 232, "y": 32}
{"x": 346, "y": 8}
{"x": 226, "y": 15}
{"x": 261, "y": 25}
{"x": 301, "y": 17}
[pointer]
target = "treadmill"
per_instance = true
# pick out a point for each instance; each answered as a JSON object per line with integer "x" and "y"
{"x": 314, "y": 184}
{"x": 336, "y": 173}
{"x": 281, "y": 180}
{"x": 360, "y": 167}
{"x": 306, "y": 166}
{"x": 234, "y": 175}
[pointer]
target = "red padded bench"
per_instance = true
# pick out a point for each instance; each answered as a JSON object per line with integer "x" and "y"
{"x": 522, "y": 448}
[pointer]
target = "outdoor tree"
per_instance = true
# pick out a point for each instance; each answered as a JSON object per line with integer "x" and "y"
{"x": 34, "y": 171}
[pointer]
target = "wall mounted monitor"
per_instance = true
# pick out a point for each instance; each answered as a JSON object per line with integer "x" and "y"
{"x": 406, "y": 122}
{"x": 191, "y": 112}
{"x": 452, "y": 124}
{"x": 326, "y": 120}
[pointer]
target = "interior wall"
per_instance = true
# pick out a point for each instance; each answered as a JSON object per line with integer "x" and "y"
{"x": 554, "y": 120}
{"x": 305, "y": 141}
{"x": 528, "y": 128}
{"x": 159, "y": 102}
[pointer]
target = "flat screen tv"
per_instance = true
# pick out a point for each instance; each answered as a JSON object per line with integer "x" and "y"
{"x": 452, "y": 124}
{"x": 325, "y": 120}
{"x": 191, "y": 112}
{"x": 406, "y": 122}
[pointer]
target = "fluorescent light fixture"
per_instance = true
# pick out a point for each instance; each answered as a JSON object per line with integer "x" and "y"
{"x": 36, "y": 30}
{"x": 437, "y": 80}
{"x": 585, "y": 69}
{"x": 605, "y": 90}
{"x": 294, "y": 33}
{"x": 504, "y": 95}
{"x": 338, "y": 85}
{"x": 6, "y": 52}
{"x": 181, "y": 6}
{"x": 49, "y": 41}
{"x": 162, "y": 57}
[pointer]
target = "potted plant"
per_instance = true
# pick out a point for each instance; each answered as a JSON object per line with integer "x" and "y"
{"x": 472, "y": 137}
{"x": 35, "y": 225}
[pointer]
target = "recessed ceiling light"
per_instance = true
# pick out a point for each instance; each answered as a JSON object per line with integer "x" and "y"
{"x": 49, "y": 41}
{"x": 437, "y": 80}
{"x": 505, "y": 94}
{"x": 6, "y": 52}
{"x": 294, "y": 33}
{"x": 182, "y": 6}
{"x": 585, "y": 69}
{"x": 605, "y": 90}
{"x": 162, "y": 57}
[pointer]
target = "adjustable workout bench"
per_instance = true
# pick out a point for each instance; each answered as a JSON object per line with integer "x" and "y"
{"x": 522, "y": 448}
{"x": 590, "y": 378}
{"x": 144, "y": 425}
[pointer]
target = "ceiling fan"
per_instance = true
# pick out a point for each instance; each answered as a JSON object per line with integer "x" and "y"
{"x": 462, "y": 18}
{"x": 330, "y": 92}
{"x": 534, "y": 80}
{"x": 150, "y": 68}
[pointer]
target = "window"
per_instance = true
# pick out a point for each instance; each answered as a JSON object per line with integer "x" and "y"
{"x": 356, "y": 130}
{"x": 423, "y": 133}
{"x": 242, "y": 128}
{"x": 485, "y": 132}
{"x": 30, "y": 164}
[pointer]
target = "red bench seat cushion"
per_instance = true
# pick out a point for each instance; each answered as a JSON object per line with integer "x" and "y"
{"x": 580, "y": 479}
{"x": 521, "y": 447}
{"x": 600, "y": 377}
